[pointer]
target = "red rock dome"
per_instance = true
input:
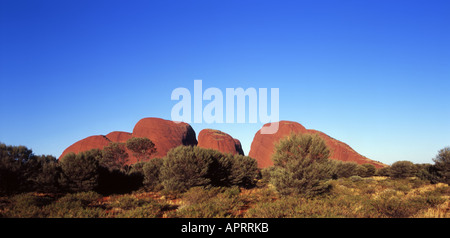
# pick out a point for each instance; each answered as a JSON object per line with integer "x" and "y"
{"x": 218, "y": 140}
{"x": 263, "y": 145}
{"x": 89, "y": 143}
{"x": 165, "y": 134}
{"x": 119, "y": 136}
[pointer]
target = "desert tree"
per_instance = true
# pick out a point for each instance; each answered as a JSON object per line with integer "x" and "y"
{"x": 13, "y": 172}
{"x": 114, "y": 156}
{"x": 402, "y": 169}
{"x": 244, "y": 171}
{"x": 80, "y": 172}
{"x": 442, "y": 164}
{"x": 152, "y": 171}
{"x": 366, "y": 170}
{"x": 344, "y": 169}
{"x": 141, "y": 147}
{"x": 302, "y": 165}
{"x": 185, "y": 167}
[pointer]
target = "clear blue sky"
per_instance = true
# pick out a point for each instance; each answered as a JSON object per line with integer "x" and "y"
{"x": 374, "y": 73}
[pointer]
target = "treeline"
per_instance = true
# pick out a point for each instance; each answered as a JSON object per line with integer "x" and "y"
{"x": 107, "y": 172}
{"x": 301, "y": 166}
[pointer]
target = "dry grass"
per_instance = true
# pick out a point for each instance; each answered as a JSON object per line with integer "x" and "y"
{"x": 363, "y": 198}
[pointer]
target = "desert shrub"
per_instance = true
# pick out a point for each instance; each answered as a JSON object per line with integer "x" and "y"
{"x": 45, "y": 174}
{"x": 401, "y": 169}
{"x": 147, "y": 210}
{"x": 76, "y": 205}
{"x": 279, "y": 209}
{"x": 231, "y": 191}
{"x": 434, "y": 200}
{"x": 142, "y": 148}
{"x": 185, "y": 167}
{"x": 300, "y": 207}
{"x": 198, "y": 195}
{"x": 85, "y": 198}
{"x": 79, "y": 172}
{"x": 22, "y": 171}
{"x": 114, "y": 156}
{"x": 12, "y": 163}
{"x": 266, "y": 174}
{"x": 243, "y": 172}
{"x": 384, "y": 171}
{"x": 117, "y": 181}
{"x": 355, "y": 178}
{"x": 126, "y": 202}
{"x": 220, "y": 206}
{"x": 428, "y": 172}
{"x": 369, "y": 170}
{"x": 301, "y": 165}
{"x": 442, "y": 164}
{"x": 151, "y": 172}
{"x": 25, "y": 205}
{"x": 39, "y": 206}
{"x": 30, "y": 200}
{"x": 393, "y": 204}
{"x": 344, "y": 169}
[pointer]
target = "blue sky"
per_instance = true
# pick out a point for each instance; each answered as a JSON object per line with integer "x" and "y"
{"x": 373, "y": 74}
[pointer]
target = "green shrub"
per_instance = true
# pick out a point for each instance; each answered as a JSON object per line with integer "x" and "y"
{"x": 442, "y": 164}
{"x": 198, "y": 195}
{"x": 344, "y": 169}
{"x": 142, "y": 148}
{"x": 369, "y": 170}
{"x": 428, "y": 172}
{"x": 394, "y": 205}
{"x": 22, "y": 171}
{"x": 114, "y": 156}
{"x": 185, "y": 167}
{"x": 384, "y": 171}
{"x": 152, "y": 171}
{"x": 355, "y": 178}
{"x": 25, "y": 200}
{"x": 302, "y": 165}
{"x": 77, "y": 205}
{"x": 216, "y": 207}
{"x": 126, "y": 202}
{"x": 148, "y": 210}
{"x": 80, "y": 171}
{"x": 244, "y": 171}
{"x": 83, "y": 198}
{"x": 402, "y": 169}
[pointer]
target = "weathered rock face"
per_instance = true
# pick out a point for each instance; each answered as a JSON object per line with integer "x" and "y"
{"x": 165, "y": 134}
{"x": 89, "y": 143}
{"x": 263, "y": 145}
{"x": 119, "y": 136}
{"x": 218, "y": 140}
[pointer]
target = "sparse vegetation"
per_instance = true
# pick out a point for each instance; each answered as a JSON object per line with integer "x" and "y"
{"x": 238, "y": 189}
{"x": 302, "y": 165}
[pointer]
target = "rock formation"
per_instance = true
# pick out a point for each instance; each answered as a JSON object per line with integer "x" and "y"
{"x": 167, "y": 134}
{"x": 89, "y": 143}
{"x": 263, "y": 145}
{"x": 218, "y": 140}
{"x": 119, "y": 136}
{"x": 164, "y": 134}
